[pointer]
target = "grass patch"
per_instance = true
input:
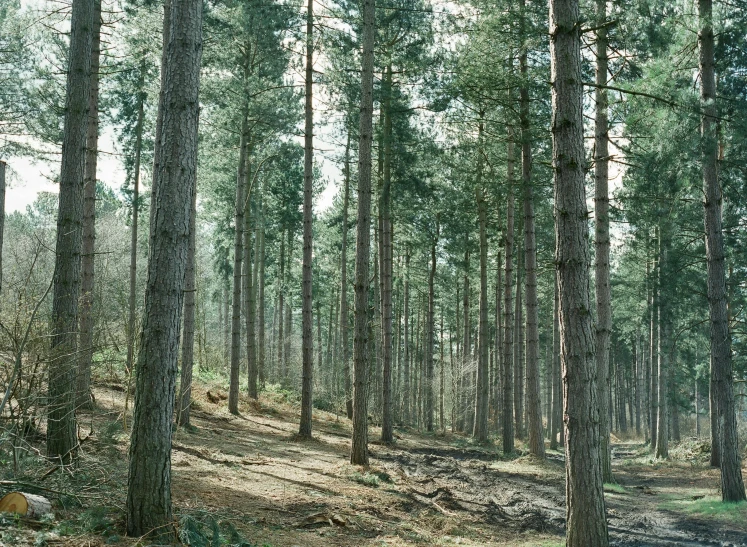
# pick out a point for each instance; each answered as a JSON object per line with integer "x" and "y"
{"x": 370, "y": 479}
{"x": 709, "y": 507}
{"x": 614, "y": 487}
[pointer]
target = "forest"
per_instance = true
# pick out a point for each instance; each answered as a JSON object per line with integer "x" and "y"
{"x": 283, "y": 273}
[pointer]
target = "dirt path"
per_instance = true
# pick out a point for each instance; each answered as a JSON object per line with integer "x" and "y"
{"x": 249, "y": 472}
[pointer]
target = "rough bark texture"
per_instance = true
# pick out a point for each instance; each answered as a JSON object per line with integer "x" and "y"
{"x": 387, "y": 433}
{"x": 508, "y": 323}
{"x": 585, "y": 513}
{"x": 406, "y": 380}
{"x": 248, "y": 292}
{"x": 557, "y": 397}
{"x": 261, "y": 356}
{"x": 184, "y": 402}
{"x": 61, "y": 431}
{"x": 85, "y": 354}
{"x": 519, "y": 369}
{"x": 238, "y": 255}
{"x": 359, "y": 450}
{"x": 430, "y": 338}
{"x": 533, "y": 401}
{"x": 732, "y": 485}
{"x": 480, "y": 431}
{"x": 662, "y": 391}
{"x": 344, "y": 315}
{"x": 602, "y": 241}
{"x": 149, "y": 480}
{"x": 307, "y": 320}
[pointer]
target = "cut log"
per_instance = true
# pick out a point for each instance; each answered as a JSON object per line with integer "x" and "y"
{"x": 29, "y": 505}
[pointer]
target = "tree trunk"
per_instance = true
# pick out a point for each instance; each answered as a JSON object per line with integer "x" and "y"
{"x": 359, "y": 449}
{"x": 654, "y": 337}
{"x": 248, "y": 291}
{"x": 288, "y": 310}
{"x": 344, "y": 315}
{"x": 465, "y": 410}
{"x": 533, "y": 401}
{"x": 519, "y": 348}
{"x": 557, "y": 394}
{"x": 260, "y": 282}
{"x": 184, "y": 402}
{"x": 430, "y": 334}
{"x": 132, "y": 308}
{"x": 307, "y": 320}
{"x": 61, "y": 427}
{"x": 602, "y": 240}
{"x": 498, "y": 340}
{"x": 662, "y": 396}
{"x": 480, "y": 431}
{"x": 280, "y": 340}
{"x": 732, "y": 485}
{"x": 238, "y": 252}
{"x": 387, "y": 434}
{"x": 406, "y": 380}
{"x": 508, "y": 323}
{"x": 585, "y": 513}
{"x": 83, "y": 391}
{"x": 149, "y": 483}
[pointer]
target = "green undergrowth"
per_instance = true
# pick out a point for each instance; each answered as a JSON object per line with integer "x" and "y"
{"x": 709, "y": 507}
{"x": 204, "y": 530}
{"x": 371, "y": 478}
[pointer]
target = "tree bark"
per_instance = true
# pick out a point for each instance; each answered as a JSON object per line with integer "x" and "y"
{"x": 344, "y": 315}
{"x": 132, "y": 299}
{"x": 430, "y": 334}
{"x": 480, "y": 431}
{"x": 238, "y": 255}
{"x": 149, "y": 482}
{"x": 406, "y": 380}
{"x": 184, "y": 402}
{"x": 519, "y": 368}
{"x": 602, "y": 240}
{"x": 557, "y": 397}
{"x": 83, "y": 391}
{"x": 585, "y": 512}
{"x": 359, "y": 449}
{"x": 732, "y": 485}
{"x": 307, "y": 320}
{"x": 61, "y": 427}
{"x": 662, "y": 396}
{"x": 508, "y": 323}
{"x": 387, "y": 433}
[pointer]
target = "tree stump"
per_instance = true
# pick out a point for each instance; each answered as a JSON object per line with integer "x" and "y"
{"x": 29, "y": 505}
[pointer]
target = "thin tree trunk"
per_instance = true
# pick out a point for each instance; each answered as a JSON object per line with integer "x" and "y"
{"x": 307, "y": 320}
{"x": 465, "y": 410}
{"x": 519, "y": 347}
{"x": 280, "y": 340}
{"x": 557, "y": 394}
{"x": 83, "y": 392}
{"x": 602, "y": 240}
{"x": 344, "y": 315}
{"x": 662, "y": 417}
{"x": 262, "y": 362}
{"x": 498, "y": 340}
{"x": 132, "y": 299}
{"x": 585, "y": 513}
{"x": 430, "y": 334}
{"x": 184, "y": 401}
{"x": 483, "y": 383}
{"x": 406, "y": 380}
{"x": 61, "y": 426}
{"x": 387, "y": 433}
{"x": 149, "y": 481}
{"x": 508, "y": 323}
{"x": 248, "y": 292}
{"x": 359, "y": 449}
{"x": 238, "y": 252}
{"x": 732, "y": 485}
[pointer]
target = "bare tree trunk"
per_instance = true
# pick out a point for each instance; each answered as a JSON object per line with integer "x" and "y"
{"x": 61, "y": 427}
{"x": 149, "y": 482}
{"x": 662, "y": 423}
{"x": 85, "y": 356}
{"x": 387, "y": 433}
{"x": 519, "y": 347}
{"x": 280, "y": 340}
{"x": 132, "y": 299}
{"x": 557, "y": 396}
{"x": 508, "y": 323}
{"x": 602, "y": 240}
{"x": 359, "y": 449}
{"x": 238, "y": 251}
{"x": 533, "y": 401}
{"x": 248, "y": 291}
{"x": 441, "y": 391}
{"x": 483, "y": 383}
{"x": 184, "y": 402}
{"x": 288, "y": 310}
{"x": 585, "y": 513}
{"x": 654, "y": 339}
{"x": 732, "y": 485}
{"x": 466, "y": 411}
{"x": 406, "y": 380}
{"x": 307, "y": 320}
{"x": 498, "y": 340}
{"x": 262, "y": 361}
{"x": 430, "y": 334}
{"x": 344, "y": 315}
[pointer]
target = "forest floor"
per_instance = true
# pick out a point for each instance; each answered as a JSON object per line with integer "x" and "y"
{"x": 248, "y": 477}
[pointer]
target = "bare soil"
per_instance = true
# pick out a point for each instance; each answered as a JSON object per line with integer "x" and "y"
{"x": 251, "y": 472}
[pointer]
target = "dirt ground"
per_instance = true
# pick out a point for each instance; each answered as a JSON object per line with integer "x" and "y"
{"x": 249, "y": 473}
